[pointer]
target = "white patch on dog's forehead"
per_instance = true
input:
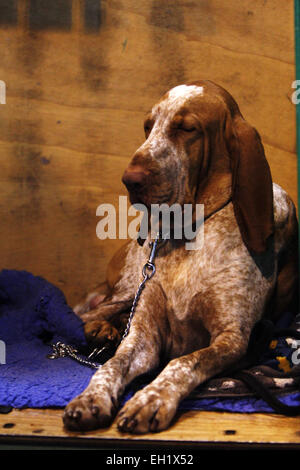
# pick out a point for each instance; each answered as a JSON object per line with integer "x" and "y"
{"x": 185, "y": 92}
{"x": 177, "y": 96}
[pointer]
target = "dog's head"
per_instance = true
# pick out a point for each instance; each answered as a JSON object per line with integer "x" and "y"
{"x": 199, "y": 149}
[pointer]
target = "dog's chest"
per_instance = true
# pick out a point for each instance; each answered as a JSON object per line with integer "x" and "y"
{"x": 182, "y": 274}
{"x": 190, "y": 274}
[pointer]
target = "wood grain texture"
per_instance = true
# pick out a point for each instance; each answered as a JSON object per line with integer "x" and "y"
{"x": 79, "y": 83}
{"x": 194, "y": 427}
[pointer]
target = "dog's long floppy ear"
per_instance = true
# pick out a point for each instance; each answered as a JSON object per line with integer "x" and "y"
{"x": 252, "y": 189}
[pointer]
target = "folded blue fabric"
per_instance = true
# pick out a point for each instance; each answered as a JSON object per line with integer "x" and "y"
{"x": 32, "y": 309}
{"x": 33, "y": 313}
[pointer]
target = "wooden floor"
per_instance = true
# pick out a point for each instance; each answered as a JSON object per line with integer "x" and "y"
{"x": 191, "y": 430}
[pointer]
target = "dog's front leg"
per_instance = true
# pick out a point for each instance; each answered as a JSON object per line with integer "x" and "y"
{"x": 137, "y": 354}
{"x": 153, "y": 407}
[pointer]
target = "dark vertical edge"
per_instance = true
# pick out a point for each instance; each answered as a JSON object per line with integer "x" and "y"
{"x": 45, "y": 14}
{"x": 92, "y": 15}
{"x": 8, "y": 12}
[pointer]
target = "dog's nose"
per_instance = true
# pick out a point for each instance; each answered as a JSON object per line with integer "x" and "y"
{"x": 134, "y": 179}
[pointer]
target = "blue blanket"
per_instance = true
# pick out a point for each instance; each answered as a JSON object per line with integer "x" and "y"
{"x": 33, "y": 312}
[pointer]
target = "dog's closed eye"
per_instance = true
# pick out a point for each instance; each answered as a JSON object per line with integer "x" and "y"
{"x": 186, "y": 124}
{"x": 187, "y": 127}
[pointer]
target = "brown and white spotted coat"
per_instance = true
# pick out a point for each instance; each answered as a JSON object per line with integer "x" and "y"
{"x": 196, "y": 314}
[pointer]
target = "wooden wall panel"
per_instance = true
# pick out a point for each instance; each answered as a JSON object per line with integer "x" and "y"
{"x": 81, "y": 75}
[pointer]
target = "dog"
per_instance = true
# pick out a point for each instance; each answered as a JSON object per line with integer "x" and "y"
{"x": 195, "y": 315}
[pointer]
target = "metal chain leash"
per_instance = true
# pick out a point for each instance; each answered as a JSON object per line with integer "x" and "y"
{"x": 64, "y": 350}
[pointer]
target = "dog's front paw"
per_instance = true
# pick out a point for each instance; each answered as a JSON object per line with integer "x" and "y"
{"x": 149, "y": 410}
{"x": 89, "y": 411}
{"x": 101, "y": 332}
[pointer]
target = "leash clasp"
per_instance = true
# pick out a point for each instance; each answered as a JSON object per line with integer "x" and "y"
{"x": 150, "y": 267}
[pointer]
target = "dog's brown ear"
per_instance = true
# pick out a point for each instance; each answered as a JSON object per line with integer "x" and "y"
{"x": 252, "y": 189}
